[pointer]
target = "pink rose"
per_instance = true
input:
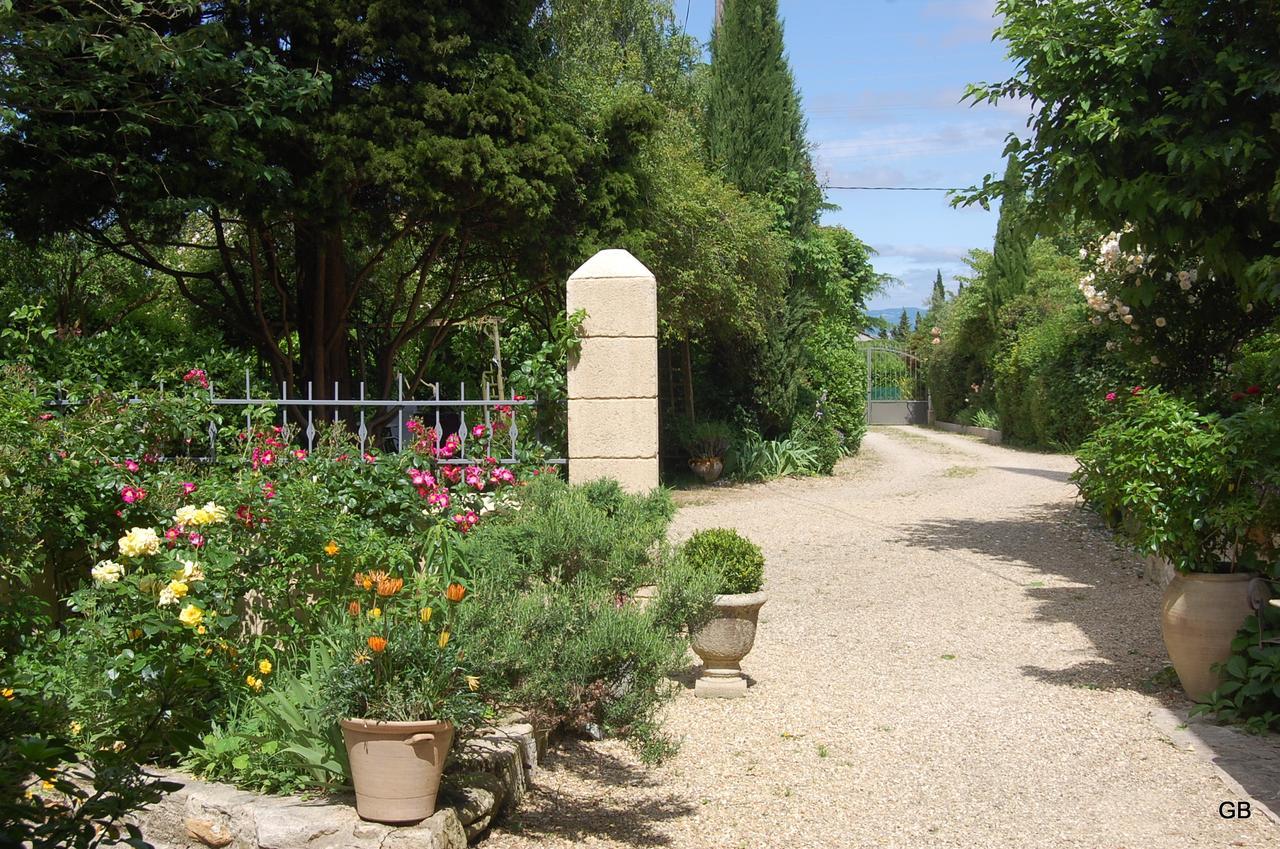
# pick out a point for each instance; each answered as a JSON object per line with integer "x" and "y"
{"x": 1111, "y": 396}
{"x": 196, "y": 539}
{"x": 188, "y": 487}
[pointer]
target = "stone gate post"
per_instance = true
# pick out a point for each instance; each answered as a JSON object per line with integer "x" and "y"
{"x": 613, "y": 383}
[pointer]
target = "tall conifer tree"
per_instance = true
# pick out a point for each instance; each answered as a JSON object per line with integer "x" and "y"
{"x": 1010, "y": 265}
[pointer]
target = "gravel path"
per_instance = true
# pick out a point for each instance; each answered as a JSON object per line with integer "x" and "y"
{"x": 952, "y": 655}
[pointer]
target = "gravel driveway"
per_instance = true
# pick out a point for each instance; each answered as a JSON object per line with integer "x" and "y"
{"x": 952, "y": 655}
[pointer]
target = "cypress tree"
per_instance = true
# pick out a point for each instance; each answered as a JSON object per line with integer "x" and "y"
{"x": 755, "y": 128}
{"x": 903, "y": 330}
{"x": 939, "y": 296}
{"x": 1010, "y": 265}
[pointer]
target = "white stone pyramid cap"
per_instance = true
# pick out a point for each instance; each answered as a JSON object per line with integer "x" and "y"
{"x": 611, "y": 263}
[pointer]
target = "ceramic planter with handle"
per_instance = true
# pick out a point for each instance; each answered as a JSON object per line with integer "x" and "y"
{"x": 396, "y": 767}
{"x": 1200, "y": 615}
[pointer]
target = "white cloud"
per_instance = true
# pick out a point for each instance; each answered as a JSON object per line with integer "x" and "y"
{"x": 912, "y": 141}
{"x": 923, "y": 254}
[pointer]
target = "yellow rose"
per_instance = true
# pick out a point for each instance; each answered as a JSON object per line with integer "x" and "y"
{"x": 75, "y": 728}
{"x": 189, "y": 572}
{"x": 139, "y": 542}
{"x": 264, "y": 666}
{"x": 332, "y": 548}
{"x": 186, "y": 515}
{"x": 253, "y": 683}
{"x": 376, "y": 612}
{"x": 191, "y": 616}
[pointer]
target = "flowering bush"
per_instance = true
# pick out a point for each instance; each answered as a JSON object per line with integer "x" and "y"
{"x": 1174, "y": 318}
{"x": 402, "y": 662}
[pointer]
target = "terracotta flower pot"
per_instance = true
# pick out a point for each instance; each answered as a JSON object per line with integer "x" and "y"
{"x": 396, "y": 766}
{"x": 1199, "y": 617}
{"x": 723, "y": 641}
{"x": 707, "y": 469}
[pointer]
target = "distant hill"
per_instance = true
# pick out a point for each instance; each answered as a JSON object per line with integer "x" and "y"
{"x": 892, "y": 314}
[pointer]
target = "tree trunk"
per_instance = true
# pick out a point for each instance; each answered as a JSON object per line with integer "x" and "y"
{"x": 322, "y": 295}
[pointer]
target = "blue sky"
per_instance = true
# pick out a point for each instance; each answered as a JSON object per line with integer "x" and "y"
{"x": 881, "y": 82}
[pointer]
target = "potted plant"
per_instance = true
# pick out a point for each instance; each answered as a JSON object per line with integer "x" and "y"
{"x": 1182, "y": 483}
{"x": 401, "y": 693}
{"x": 706, "y": 443}
{"x": 737, "y": 565}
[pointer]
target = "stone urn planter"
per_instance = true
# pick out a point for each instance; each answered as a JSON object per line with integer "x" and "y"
{"x": 1199, "y": 617}
{"x": 396, "y": 767}
{"x": 708, "y": 469}
{"x": 723, "y": 641}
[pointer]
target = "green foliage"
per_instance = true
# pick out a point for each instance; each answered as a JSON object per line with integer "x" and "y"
{"x": 736, "y": 560}
{"x": 553, "y": 622}
{"x": 705, "y": 439}
{"x": 282, "y": 740}
{"x": 1250, "y": 690}
{"x": 1010, "y": 265}
{"x": 817, "y": 431}
{"x": 962, "y": 359}
{"x": 754, "y": 126}
{"x": 1182, "y": 484}
{"x": 755, "y": 458}
{"x": 838, "y": 372}
{"x": 1156, "y": 114}
{"x": 985, "y": 418}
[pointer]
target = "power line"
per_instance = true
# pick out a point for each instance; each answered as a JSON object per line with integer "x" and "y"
{"x": 893, "y": 188}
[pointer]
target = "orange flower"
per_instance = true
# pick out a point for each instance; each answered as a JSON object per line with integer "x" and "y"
{"x": 390, "y": 586}
{"x": 354, "y": 608}
{"x": 332, "y": 548}
{"x": 360, "y": 580}
{"x": 377, "y": 576}
{"x": 377, "y": 644}
{"x": 455, "y": 593}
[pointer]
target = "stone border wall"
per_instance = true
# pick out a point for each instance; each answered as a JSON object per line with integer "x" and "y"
{"x": 988, "y": 435}
{"x": 488, "y": 777}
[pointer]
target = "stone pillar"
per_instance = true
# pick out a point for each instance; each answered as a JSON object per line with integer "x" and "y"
{"x": 613, "y": 383}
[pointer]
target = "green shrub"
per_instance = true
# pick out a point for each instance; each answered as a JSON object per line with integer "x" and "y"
{"x": 737, "y": 561}
{"x": 816, "y": 431}
{"x": 838, "y": 373}
{"x": 1162, "y": 468}
{"x": 551, "y": 623}
{"x": 755, "y": 458}
{"x": 705, "y": 439}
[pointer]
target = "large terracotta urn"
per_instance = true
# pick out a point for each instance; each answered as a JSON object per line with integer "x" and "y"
{"x": 723, "y": 641}
{"x": 1199, "y": 617}
{"x": 396, "y": 767}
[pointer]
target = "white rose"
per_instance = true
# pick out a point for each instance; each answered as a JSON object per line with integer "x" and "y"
{"x": 107, "y": 572}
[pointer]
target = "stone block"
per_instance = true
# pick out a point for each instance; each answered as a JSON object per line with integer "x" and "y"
{"x": 615, "y": 367}
{"x": 720, "y": 688}
{"x": 619, "y": 294}
{"x": 613, "y": 427}
{"x": 637, "y": 475}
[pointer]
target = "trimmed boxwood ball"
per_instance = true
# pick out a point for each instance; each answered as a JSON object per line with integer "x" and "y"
{"x": 737, "y": 560}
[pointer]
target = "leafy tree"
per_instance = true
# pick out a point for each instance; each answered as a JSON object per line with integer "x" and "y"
{"x": 1157, "y": 113}
{"x": 339, "y": 182}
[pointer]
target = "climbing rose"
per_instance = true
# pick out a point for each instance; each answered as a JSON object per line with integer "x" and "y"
{"x": 1111, "y": 396}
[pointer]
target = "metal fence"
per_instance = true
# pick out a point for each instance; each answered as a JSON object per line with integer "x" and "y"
{"x": 298, "y": 417}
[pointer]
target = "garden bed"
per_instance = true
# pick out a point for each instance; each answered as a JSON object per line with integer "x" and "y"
{"x": 490, "y": 776}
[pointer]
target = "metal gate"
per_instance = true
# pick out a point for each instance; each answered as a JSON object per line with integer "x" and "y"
{"x": 896, "y": 390}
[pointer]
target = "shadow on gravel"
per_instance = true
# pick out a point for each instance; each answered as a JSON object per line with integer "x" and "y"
{"x": 576, "y": 812}
{"x": 1051, "y": 474}
{"x": 1114, "y": 608}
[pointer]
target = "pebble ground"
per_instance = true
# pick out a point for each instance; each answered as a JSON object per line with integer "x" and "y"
{"x": 952, "y": 655}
